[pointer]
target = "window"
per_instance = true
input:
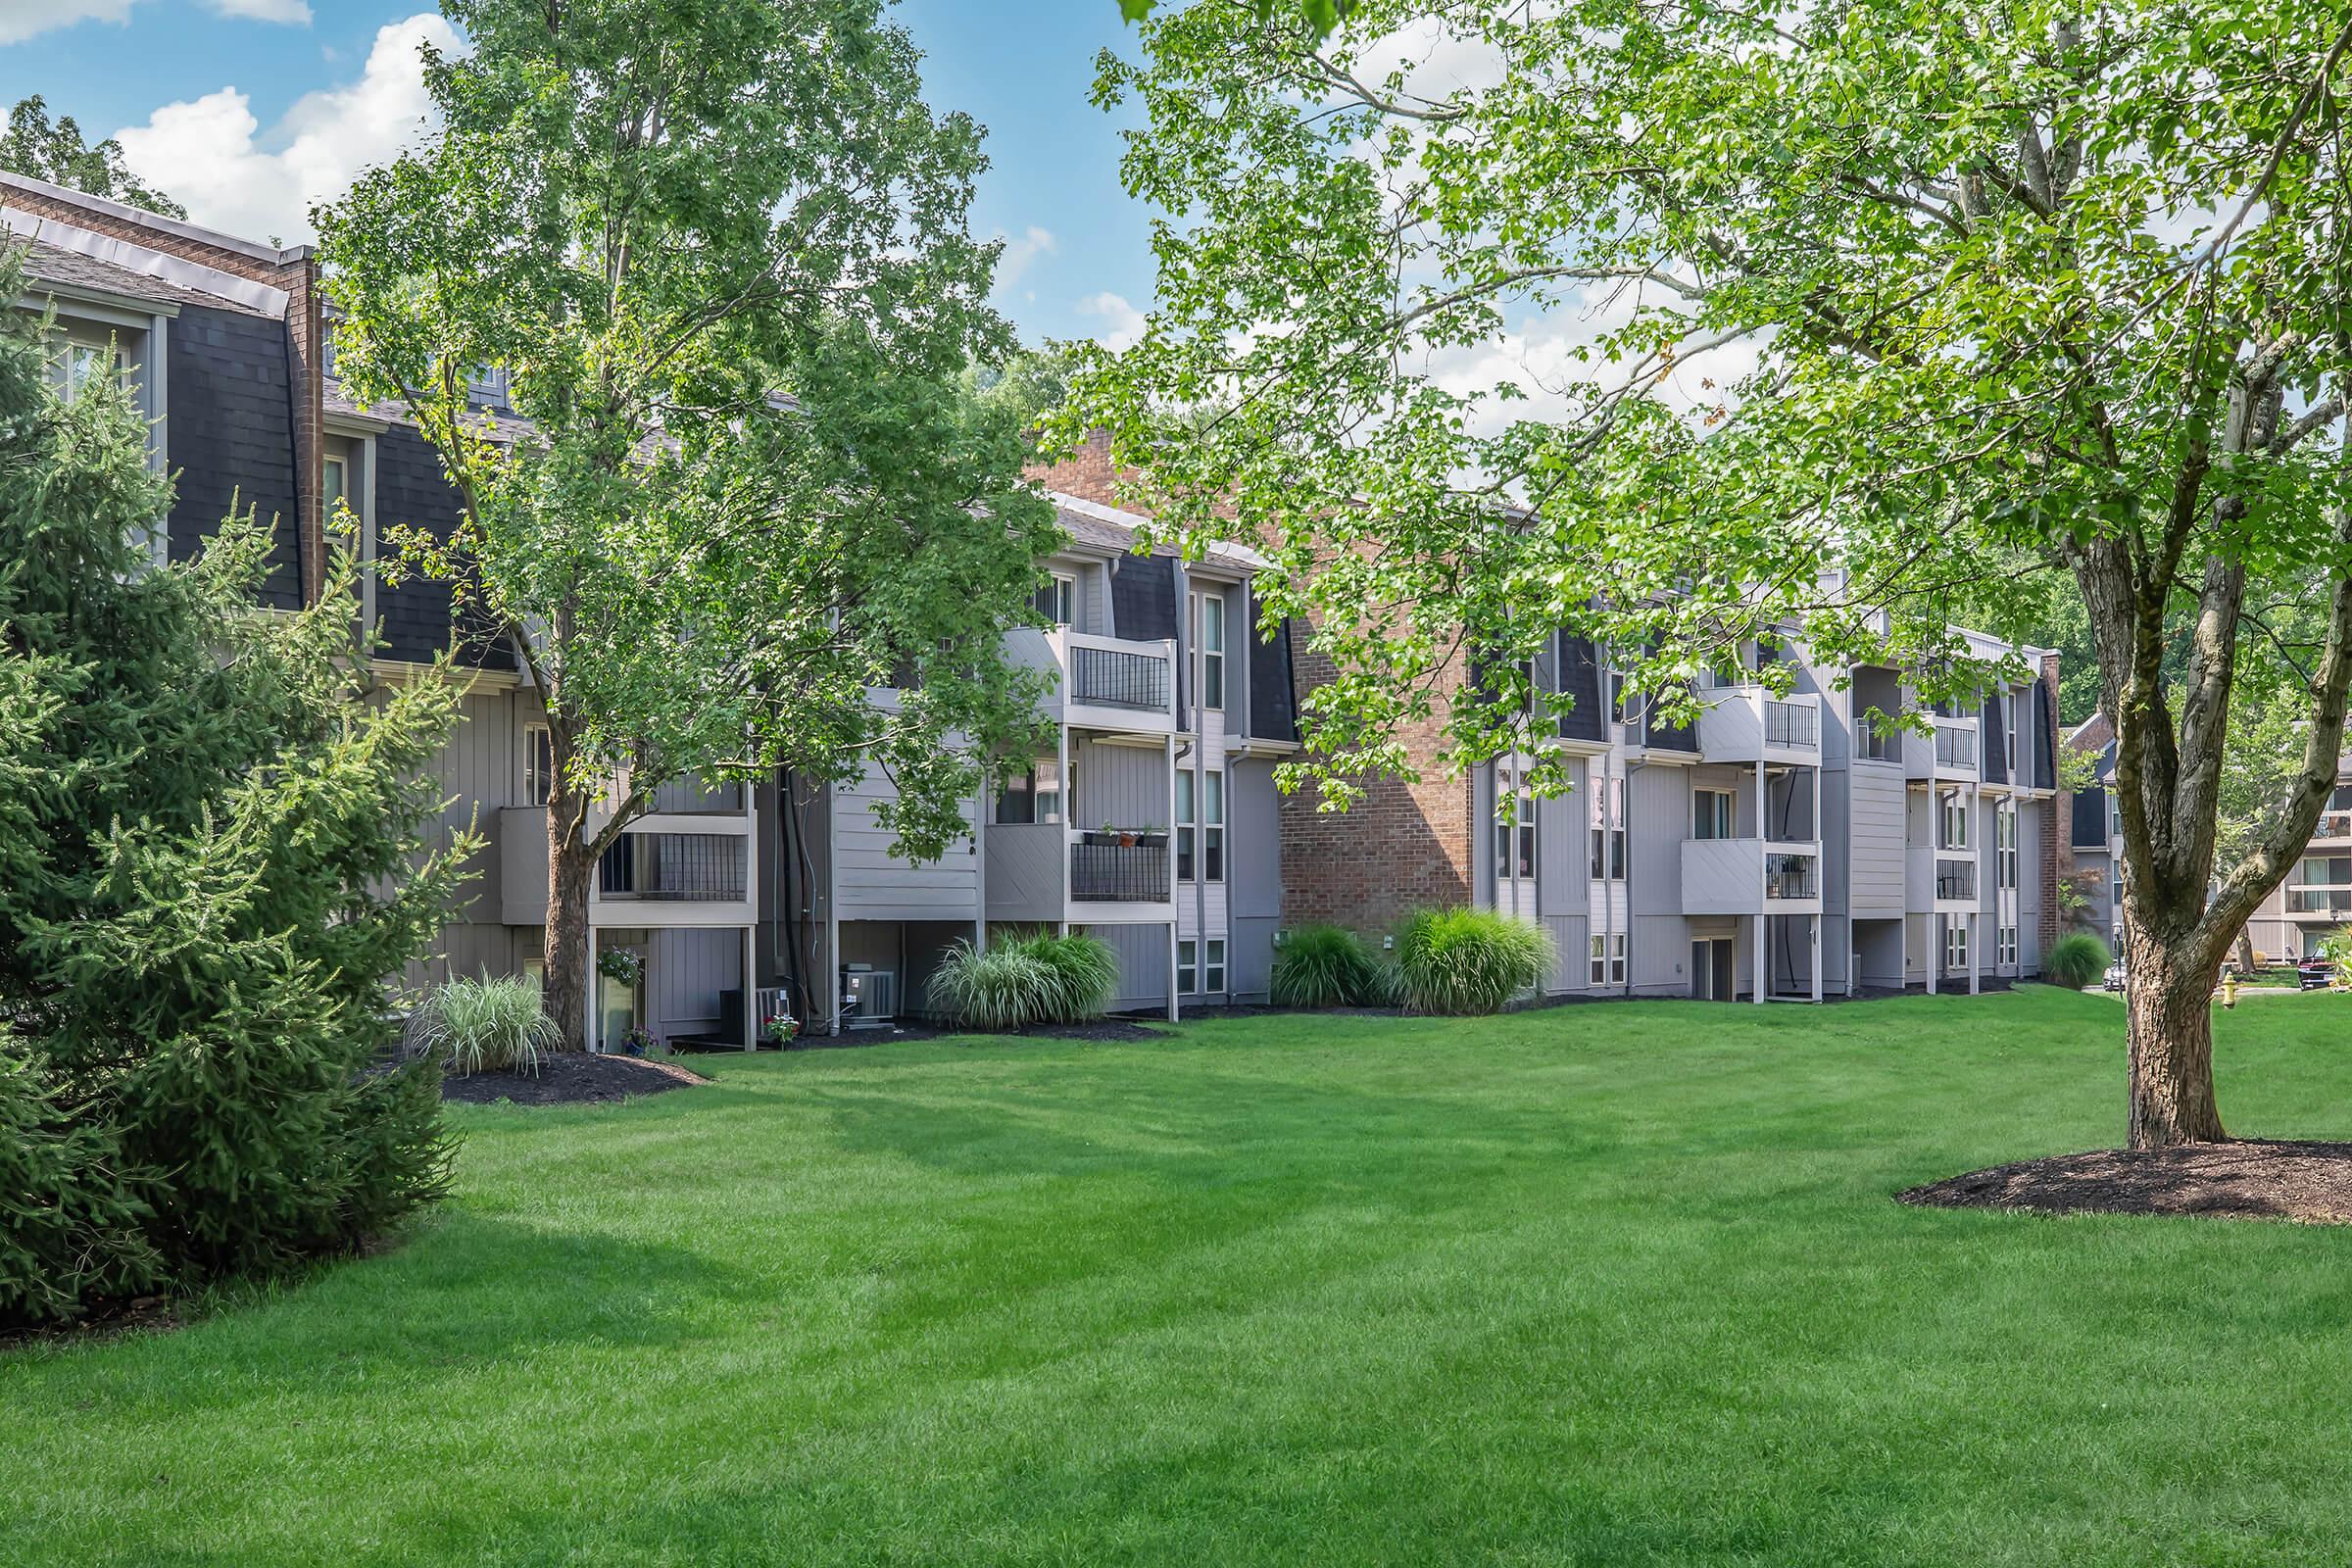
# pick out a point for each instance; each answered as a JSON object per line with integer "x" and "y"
{"x": 81, "y": 366}
{"x": 1955, "y": 823}
{"x": 1212, "y": 967}
{"x": 1616, "y": 957}
{"x": 2016, "y": 763}
{"x": 486, "y": 384}
{"x": 2004, "y": 826}
{"x": 1608, "y": 831}
{"x": 1031, "y": 796}
{"x": 336, "y": 487}
{"x": 1956, "y": 945}
{"x": 2008, "y": 946}
{"x": 1516, "y": 834}
{"x": 1208, "y": 635}
{"x": 1188, "y": 818}
{"x": 1188, "y": 967}
{"x": 1058, "y": 599}
{"x": 1600, "y": 961}
{"x": 1713, "y": 814}
{"x": 1213, "y": 826}
{"x": 538, "y": 765}
{"x": 1616, "y": 830}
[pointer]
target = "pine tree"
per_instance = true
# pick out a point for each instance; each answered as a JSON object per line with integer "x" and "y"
{"x": 212, "y": 863}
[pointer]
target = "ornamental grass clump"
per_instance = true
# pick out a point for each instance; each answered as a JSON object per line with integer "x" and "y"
{"x": 1019, "y": 981}
{"x": 1469, "y": 960}
{"x": 486, "y": 1025}
{"x": 2076, "y": 961}
{"x": 1330, "y": 966}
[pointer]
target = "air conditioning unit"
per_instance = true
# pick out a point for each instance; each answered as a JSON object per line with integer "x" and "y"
{"x": 869, "y": 998}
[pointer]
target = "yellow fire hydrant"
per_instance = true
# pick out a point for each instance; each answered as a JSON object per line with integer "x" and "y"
{"x": 2230, "y": 989}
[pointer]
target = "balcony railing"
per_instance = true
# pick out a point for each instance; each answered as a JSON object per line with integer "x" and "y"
{"x": 1793, "y": 724}
{"x": 1955, "y": 744}
{"x": 1876, "y": 741}
{"x": 2319, "y": 901}
{"x": 2333, "y": 825}
{"x": 1119, "y": 873}
{"x": 1790, "y": 876}
{"x": 1955, "y": 879}
{"x": 674, "y": 867}
{"x": 1110, "y": 677}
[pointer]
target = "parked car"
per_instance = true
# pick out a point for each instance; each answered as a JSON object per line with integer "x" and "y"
{"x": 2115, "y": 977}
{"x": 2313, "y": 974}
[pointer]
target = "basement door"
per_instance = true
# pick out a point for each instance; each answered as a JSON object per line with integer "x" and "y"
{"x": 1711, "y": 974}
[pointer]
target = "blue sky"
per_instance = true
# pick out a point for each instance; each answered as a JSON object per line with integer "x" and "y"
{"x": 247, "y": 108}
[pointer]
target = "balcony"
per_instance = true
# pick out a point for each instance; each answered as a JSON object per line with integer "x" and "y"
{"x": 1750, "y": 876}
{"x": 2325, "y": 902}
{"x": 2335, "y": 827}
{"x": 1748, "y": 724}
{"x": 1951, "y": 752}
{"x": 1104, "y": 683}
{"x": 1119, "y": 873}
{"x": 667, "y": 870}
{"x": 1942, "y": 880}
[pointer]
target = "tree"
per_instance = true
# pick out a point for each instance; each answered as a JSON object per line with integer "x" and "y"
{"x": 721, "y": 251}
{"x": 1848, "y": 314}
{"x": 211, "y": 866}
{"x": 54, "y": 150}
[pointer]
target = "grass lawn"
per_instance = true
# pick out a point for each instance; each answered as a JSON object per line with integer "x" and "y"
{"x": 1598, "y": 1285}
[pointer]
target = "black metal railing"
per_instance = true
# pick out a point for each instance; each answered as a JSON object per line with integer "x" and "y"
{"x": 1123, "y": 874}
{"x": 1955, "y": 746}
{"x": 1110, "y": 677}
{"x": 1788, "y": 877}
{"x": 1955, "y": 879}
{"x": 675, "y": 867}
{"x": 2319, "y": 901}
{"x": 1791, "y": 723}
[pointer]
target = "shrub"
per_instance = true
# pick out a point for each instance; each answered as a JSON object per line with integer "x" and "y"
{"x": 1019, "y": 981}
{"x": 2076, "y": 961}
{"x": 1469, "y": 960}
{"x": 1329, "y": 967}
{"x": 486, "y": 1025}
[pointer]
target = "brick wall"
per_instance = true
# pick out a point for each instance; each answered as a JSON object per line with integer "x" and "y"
{"x": 299, "y": 278}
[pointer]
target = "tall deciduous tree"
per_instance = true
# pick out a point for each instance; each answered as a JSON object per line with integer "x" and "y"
{"x": 56, "y": 151}
{"x": 720, "y": 250}
{"x": 1839, "y": 313}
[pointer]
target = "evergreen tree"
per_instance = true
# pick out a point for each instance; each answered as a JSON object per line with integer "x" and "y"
{"x": 211, "y": 859}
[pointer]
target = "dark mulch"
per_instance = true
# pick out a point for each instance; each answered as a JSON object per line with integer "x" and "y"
{"x": 572, "y": 1078}
{"x": 2247, "y": 1179}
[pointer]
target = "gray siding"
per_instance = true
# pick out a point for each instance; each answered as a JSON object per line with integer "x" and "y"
{"x": 1126, "y": 786}
{"x": 1878, "y": 811}
{"x": 1143, "y": 955}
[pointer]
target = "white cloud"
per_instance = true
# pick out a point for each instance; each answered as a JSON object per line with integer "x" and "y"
{"x": 211, "y": 155}
{"x": 1020, "y": 253}
{"x": 294, "y": 13}
{"x": 1124, "y": 322}
{"x": 22, "y": 18}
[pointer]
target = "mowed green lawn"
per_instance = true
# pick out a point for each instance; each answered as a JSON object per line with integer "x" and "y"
{"x": 1596, "y": 1285}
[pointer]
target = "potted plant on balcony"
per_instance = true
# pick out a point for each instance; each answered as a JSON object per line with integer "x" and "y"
{"x": 1104, "y": 835}
{"x": 1150, "y": 836}
{"x": 1126, "y": 838}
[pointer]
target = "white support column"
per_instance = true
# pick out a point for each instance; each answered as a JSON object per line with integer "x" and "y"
{"x": 1817, "y": 957}
{"x": 1069, "y": 819}
{"x": 1976, "y": 930}
{"x": 1757, "y": 922}
{"x": 1934, "y": 950}
{"x": 592, "y": 987}
{"x": 1172, "y": 971}
{"x": 1763, "y": 943}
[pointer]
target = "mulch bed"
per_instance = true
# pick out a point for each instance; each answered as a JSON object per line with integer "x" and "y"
{"x": 572, "y": 1078}
{"x": 2246, "y": 1179}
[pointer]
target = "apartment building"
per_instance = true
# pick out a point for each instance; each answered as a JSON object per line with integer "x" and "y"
{"x": 1777, "y": 848}
{"x": 1151, "y": 824}
{"x": 226, "y": 347}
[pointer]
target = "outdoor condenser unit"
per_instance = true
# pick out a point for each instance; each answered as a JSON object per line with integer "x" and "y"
{"x": 868, "y": 997}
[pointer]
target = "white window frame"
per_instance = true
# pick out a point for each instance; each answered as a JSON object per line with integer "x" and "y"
{"x": 1956, "y": 945}
{"x": 1616, "y": 957}
{"x": 538, "y": 779}
{"x": 1212, "y": 967}
{"x": 1062, "y": 589}
{"x": 1515, "y": 834}
{"x": 1188, "y": 967}
{"x": 1212, "y": 825}
{"x": 1188, "y": 827}
{"x": 1209, "y": 613}
{"x": 2007, "y": 945}
{"x": 1714, "y": 809}
{"x": 2004, "y": 832}
{"x": 1954, "y": 808}
{"x": 1601, "y": 959}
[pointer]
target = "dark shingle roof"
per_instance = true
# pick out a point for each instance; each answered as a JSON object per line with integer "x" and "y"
{"x": 59, "y": 267}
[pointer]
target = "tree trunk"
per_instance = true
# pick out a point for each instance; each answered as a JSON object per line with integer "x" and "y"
{"x": 2168, "y": 1005}
{"x": 569, "y": 863}
{"x": 2245, "y": 949}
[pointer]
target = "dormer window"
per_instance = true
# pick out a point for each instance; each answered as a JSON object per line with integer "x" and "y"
{"x": 487, "y": 384}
